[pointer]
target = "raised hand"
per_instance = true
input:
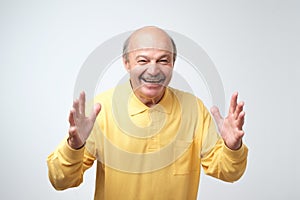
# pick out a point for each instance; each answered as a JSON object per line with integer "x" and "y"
{"x": 231, "y": 128}
{"x": 81, "y": 125}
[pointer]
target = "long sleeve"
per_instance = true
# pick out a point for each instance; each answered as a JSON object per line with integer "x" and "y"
{"x": 224, "y": 163}
{"x": 66, "y": 166}
{"x": 216, "y": 158}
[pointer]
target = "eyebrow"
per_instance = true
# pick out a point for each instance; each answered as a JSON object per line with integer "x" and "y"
{"x": 167, "y": 55}
{"x": 141, "y": 56}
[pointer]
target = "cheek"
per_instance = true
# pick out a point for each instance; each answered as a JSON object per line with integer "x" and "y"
{"x": 134, "y": 75}
{"x": 167, "y": 71}
{"x": 137, "y": 71}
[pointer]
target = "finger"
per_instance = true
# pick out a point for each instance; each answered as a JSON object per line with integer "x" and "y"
{"x": 240, "y": 134}
{"x": 238, "y": 110}
{"x": 216, "y": 115}
{"x": 97, "y": 109}
{"x": 72, "y": 131}
{"x": 82, "y": 103}
{"x": 241, "y": 120}
{"x": 76, "y": 108}
{"x": 71, "y": 118}
{"x": 233, "y": 102}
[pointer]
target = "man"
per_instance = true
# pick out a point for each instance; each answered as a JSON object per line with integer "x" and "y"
{"x": 149, "y": 140}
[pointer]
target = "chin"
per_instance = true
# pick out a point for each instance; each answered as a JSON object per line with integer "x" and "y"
{"x": 152, "y": 90}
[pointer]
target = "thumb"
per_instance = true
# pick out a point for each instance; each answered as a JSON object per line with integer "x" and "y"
{"x": 96, "y": 111}
{"x": 216, "y": 114}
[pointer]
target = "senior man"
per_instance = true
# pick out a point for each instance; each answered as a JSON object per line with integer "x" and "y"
{"x": 149, "y": 140}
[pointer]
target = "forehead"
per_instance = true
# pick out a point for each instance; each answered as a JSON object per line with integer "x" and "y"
{"x": 150, "y": 40}
{"x": 150, "y": 53}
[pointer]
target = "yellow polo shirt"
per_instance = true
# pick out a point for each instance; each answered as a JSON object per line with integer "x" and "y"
{"x": 148, "y": 153}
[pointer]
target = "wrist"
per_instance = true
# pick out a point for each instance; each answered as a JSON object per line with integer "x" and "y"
{"x": 234, "y": 147}
{"x": 75, "y": 145}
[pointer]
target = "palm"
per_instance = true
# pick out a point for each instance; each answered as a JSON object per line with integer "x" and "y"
{"x": 231, "y": 128}
{"x": 80, "y": 124}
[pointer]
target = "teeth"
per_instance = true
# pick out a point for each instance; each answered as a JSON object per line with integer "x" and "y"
{"x": 152, "y": 81}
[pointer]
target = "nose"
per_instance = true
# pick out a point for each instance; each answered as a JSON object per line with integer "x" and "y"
{"x": 153, "y": 69}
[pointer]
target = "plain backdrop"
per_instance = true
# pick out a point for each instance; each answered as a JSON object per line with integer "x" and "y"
{"x": 254, "y": 45}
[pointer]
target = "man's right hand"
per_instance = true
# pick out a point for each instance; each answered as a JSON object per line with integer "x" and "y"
{"x": 81, "y": 125}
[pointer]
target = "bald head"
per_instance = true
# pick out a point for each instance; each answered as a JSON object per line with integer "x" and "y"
{"x": 149, "y": 37}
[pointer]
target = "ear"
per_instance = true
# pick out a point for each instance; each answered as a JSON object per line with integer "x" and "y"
{"x": 126, "y": 64}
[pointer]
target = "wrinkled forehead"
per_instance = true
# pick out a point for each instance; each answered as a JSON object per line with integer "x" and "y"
{"x": 147, "y": 41}
{"x": 150, "y": 53}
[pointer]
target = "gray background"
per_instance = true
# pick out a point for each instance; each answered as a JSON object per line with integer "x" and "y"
{"x": 254, "y": 44}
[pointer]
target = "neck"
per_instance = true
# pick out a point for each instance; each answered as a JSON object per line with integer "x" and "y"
{"x": 150, "y": 102}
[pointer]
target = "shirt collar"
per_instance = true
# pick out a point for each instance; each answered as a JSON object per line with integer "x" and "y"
{"x": 135, "y": 106}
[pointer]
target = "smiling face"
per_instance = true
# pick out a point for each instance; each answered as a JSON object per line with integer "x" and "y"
{"x": 150, "y": 72}
{"x": 149, "y": 60}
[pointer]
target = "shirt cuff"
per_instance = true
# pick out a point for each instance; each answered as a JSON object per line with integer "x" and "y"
{"x": 70, "y": 154}
{"x": 236, "y": 155}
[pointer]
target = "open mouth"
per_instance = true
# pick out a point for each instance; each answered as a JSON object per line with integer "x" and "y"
{"x": 152, "y": 81}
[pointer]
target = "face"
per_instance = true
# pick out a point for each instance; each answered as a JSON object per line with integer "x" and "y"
{"x": 150, "y": 71}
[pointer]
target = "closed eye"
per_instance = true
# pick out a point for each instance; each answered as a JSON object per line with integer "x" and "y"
{"x": 164, "y": 61}
{"x": 142, "y": 61}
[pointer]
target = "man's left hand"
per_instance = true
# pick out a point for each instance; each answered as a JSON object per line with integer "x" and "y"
{"x": 231, "y": 128}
